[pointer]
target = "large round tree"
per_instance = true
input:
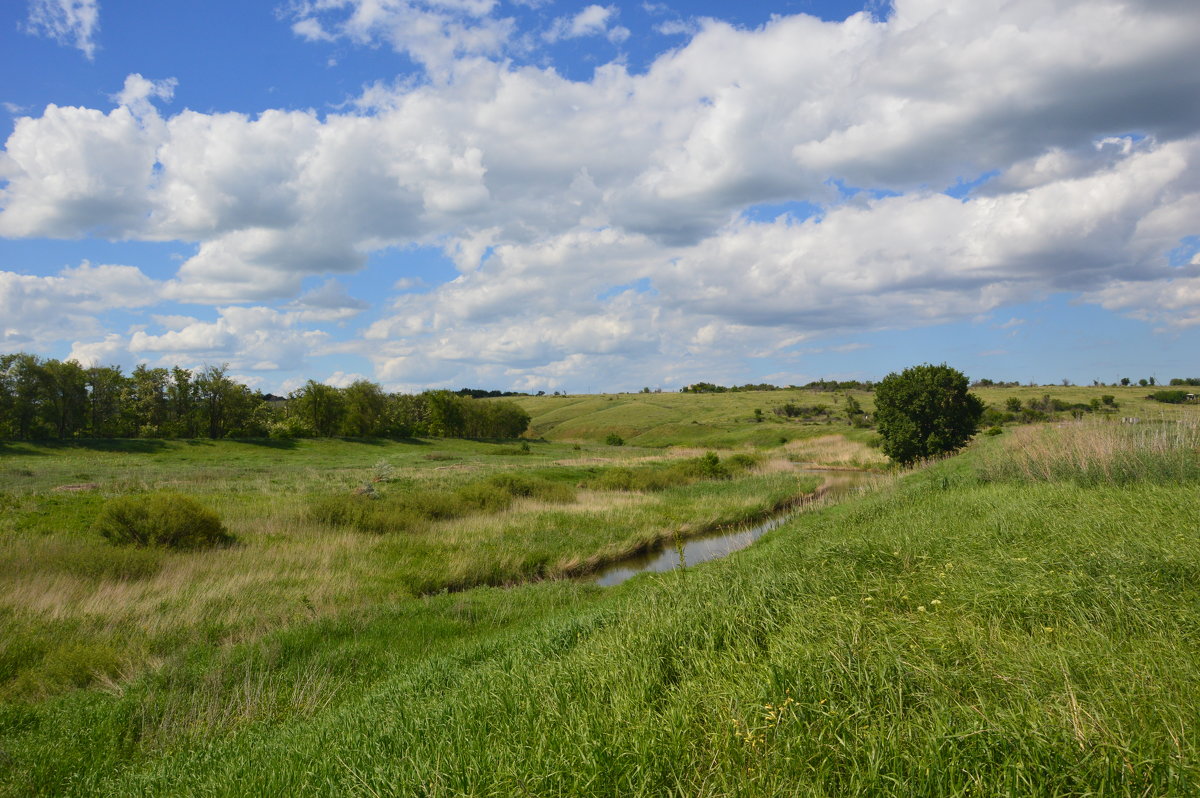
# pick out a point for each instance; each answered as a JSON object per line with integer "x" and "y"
{"x": 925, "y": 411}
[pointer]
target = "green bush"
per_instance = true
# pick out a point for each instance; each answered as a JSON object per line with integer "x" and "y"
{"x": 614, "y": 439}
{"x": 1169, "y": 397}
{"x": 925, "y": 411}
{"x": 161, "y": 519}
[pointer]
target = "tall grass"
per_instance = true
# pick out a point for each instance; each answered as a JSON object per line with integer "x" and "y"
{"x": 76, "y": 611}
{"x": 941, "y": 637}
{"x": 1092, "y": 453}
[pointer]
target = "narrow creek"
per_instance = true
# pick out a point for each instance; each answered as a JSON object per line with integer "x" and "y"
{"x": 723, "y": 542}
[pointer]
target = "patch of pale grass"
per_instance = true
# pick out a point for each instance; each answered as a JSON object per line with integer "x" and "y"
{"x": 586, "y": 501}
{"x": 1099, "y": 451}
{"x": 776, "y": 465}
{"x": 834, "y": 450}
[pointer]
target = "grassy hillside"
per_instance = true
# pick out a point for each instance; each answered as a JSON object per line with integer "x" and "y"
{"x": 973, "y": 629}
{"x": 1019, "y": 619}
{"x": 728, "y": 419}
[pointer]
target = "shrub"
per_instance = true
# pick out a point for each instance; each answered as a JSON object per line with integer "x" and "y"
{"x": 925, "y": 411}
{"x": 161, "y": 519}
{"x": 614, "y": 439}
{"x": 1169, "y": 397}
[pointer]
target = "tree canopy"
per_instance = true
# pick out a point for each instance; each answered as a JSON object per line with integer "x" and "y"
{"x": 925, "y": 411}
{"x": 62, "y": 400}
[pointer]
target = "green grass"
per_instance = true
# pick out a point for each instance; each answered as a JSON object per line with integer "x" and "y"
{"x": 77, "y": 611}
{"x": 726, "y": 420}
{"x": 1020, "y": 619}
{"x": 946, "y": 636}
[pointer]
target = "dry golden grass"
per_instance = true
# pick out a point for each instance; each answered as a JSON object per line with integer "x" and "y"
{"x": 1099, "y": 451}
{"x": 775, "y": 465}
{"x": 834, "y": 450}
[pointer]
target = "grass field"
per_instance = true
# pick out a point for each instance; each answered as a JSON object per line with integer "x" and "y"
{"x": 76, "y": 610}
{"x": 726, "y": 420}
{"x": 1021, "y": 619}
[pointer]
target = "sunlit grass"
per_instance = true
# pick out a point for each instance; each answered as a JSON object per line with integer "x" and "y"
{"x": 1016, "y": 620}
{"x": 1097, "y": 452}
{"x": 942, "y": 636}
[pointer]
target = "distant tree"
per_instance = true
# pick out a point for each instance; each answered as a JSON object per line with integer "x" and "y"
{"x": 320, "y": 407}
{"x": 365, "y": 413}
{"x": 146, "y": 401}
{"x": 64, "y": 391}
{"x": 105, "y": 388}
{"x": 446, "y": 419}
{"x": 183, "y": 404}
{"x": 225, "y": 406}
{"x": 925, "y": 411}
{"x": 1125, "y": 381}
{"x": 854, "y": 411}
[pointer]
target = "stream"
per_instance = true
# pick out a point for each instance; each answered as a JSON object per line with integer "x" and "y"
{"x": 722, "y": 542}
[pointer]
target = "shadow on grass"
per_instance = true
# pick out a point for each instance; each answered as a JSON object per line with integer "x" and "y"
{"x": 131, "y": 445}
{"x": 18, "y": 449}
{"x": 267, "y": 443}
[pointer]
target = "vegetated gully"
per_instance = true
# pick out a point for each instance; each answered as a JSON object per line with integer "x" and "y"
{"x": 723, "y": 542}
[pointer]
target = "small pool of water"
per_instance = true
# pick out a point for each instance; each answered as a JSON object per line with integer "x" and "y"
{"x": 724, "y": 542}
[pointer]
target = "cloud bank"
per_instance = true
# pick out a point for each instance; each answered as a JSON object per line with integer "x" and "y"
{"x": 748, "y": 191}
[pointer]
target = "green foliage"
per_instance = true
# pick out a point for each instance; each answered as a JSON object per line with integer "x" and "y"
{"x": 925, "y": 411}
{"x": 613, "y": 439}
{"x": 51, "y": 399}
{"x": 1170, "y": 397}
{"x": 161, "y": 519}
{"x": 319, "y": 407}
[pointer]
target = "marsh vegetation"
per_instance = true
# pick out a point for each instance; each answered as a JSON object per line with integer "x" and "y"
{"x": 1017, "y": 619}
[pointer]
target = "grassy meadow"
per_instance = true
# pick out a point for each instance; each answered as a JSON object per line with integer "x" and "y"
{"x": 1020, "y": 619}
{"x": 728, "y": 419}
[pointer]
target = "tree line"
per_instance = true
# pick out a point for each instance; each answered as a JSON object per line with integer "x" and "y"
{"x": 816, "y": 385}
{"x": 48, "y": 399}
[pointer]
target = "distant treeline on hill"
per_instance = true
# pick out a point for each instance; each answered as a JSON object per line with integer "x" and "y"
{"x": 481, "y": 393}
{"x": 54, "y": 399}
{"x": 818, "y": 385}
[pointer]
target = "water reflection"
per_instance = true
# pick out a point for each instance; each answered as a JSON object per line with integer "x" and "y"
{"x": 726, "y": 541}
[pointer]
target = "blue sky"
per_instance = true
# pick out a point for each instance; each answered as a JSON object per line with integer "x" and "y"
{"x": 548, "y": 196}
